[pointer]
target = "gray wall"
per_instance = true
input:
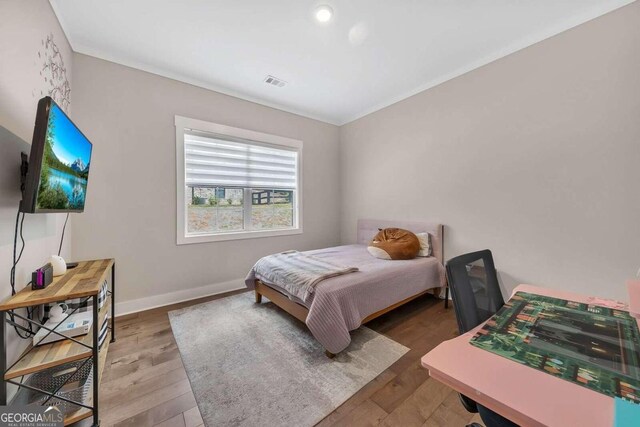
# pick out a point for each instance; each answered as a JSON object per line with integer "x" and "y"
{"x": 25, "y": 25}
{"x": 535, "y": 156}
{"x": 131, "y": 200}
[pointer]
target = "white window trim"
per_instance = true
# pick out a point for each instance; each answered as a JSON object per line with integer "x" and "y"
{"x": 183, "y": 123}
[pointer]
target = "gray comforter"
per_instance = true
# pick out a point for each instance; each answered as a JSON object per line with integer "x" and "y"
{"x": 298, "y": 272}
{"x": 339, "y": 304}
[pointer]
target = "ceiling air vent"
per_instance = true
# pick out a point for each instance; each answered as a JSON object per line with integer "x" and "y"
{"x": 274, "y": 81}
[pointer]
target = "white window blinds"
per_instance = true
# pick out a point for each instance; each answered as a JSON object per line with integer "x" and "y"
{"x": 210, "y": 161}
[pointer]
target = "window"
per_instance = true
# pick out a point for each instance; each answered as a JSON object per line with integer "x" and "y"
{"x": 235, "y": 184}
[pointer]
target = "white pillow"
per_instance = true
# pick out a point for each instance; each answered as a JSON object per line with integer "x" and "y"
{"x": 378, "y": 253}
{"x": 425, "y": 244}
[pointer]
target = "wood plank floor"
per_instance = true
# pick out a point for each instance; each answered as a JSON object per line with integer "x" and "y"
{"x": 145, "y": 384}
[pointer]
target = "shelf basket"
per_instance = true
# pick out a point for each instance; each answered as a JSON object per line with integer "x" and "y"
{"x": 77, "y": 388}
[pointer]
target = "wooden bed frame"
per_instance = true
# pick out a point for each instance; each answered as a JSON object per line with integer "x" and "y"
{"x": 365, "y": 229}
{"x": 300, "y": 312}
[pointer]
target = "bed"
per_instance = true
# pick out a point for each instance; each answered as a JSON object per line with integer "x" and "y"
{"x": 343, "y": 303}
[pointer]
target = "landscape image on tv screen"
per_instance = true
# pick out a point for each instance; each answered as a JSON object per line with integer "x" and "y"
{"x": 65, "y": 165}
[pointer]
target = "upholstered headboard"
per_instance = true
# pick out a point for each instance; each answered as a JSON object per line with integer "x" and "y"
{"x": 367, "y": 228}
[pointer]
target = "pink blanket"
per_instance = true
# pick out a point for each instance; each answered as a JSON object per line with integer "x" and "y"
{"x": 340, "y": 303}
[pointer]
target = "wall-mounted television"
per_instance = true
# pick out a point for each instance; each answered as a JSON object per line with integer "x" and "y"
{"x": 58, "y": 166}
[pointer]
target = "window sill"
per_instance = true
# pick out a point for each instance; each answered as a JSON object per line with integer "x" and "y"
{"x": 240, "y": 235}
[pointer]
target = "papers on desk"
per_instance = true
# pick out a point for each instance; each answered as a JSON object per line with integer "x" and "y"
{"x": 625, "y": 413}
{"x": 609, "y": 303}
{"x": 633, "y": 287}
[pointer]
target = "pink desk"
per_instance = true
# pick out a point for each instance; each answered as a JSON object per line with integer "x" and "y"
{"x": 524, "y": 395}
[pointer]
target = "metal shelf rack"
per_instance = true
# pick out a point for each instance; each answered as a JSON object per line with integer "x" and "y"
{"x": 83, "y": 282}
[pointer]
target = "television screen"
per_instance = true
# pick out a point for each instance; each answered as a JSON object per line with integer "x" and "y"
{"x": 58, "y": 169}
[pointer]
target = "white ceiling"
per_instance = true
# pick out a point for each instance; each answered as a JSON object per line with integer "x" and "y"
{"x": 372, "y": 54}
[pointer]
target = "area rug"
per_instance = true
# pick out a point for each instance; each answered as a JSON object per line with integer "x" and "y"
{"x": 255, "y": 365}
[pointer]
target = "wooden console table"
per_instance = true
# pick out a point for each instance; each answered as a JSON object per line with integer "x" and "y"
{"x": 83, "y": 282}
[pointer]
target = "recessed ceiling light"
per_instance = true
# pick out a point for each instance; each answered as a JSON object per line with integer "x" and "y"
{"x": 324, "y": 13}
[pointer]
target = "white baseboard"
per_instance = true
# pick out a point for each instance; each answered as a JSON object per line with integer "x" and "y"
{"x": 155, "y": 301}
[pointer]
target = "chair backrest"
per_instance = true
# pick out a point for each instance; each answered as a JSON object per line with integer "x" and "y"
{"x": 474, "y": 288}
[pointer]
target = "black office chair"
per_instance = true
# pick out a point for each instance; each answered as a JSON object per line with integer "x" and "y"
{"x": 474, "y": 288}
{"x": 476, "y": 297}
